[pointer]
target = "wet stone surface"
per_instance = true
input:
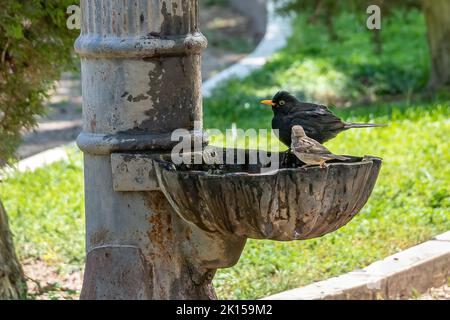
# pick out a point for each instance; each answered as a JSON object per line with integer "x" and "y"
{"x": 290, "y": 203}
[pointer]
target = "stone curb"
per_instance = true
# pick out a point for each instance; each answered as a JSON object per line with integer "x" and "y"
{"x": 401, "y": 275}
{"x": 277, "y": 32}
{"x": 38, "y": 160}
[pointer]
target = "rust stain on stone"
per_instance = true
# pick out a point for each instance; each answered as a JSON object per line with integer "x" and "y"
{"x": 94, "y": 123}
{"x": 155, "y": 234}
{"x": 99, "y": 237}
{"x": 161, "y": 229}
{"x": 156, "y": 201}
{"x": 188, "y": 234}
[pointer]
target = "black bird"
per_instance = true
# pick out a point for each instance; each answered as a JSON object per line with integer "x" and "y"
{"x": 317, "y": 120}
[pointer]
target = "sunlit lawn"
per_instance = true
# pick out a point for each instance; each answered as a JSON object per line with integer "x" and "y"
{"x": 410, "y": 203}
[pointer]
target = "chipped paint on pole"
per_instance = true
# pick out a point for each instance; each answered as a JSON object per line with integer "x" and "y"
{"x": 141, "y": 80}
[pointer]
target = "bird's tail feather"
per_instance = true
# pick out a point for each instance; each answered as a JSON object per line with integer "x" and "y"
{"x": 341, "y": 158}
{"x": 363, "y": 125}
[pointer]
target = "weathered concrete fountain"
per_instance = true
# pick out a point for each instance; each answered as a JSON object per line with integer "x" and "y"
{"x": 156, "y": 230}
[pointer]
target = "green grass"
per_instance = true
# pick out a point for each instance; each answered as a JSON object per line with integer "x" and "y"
{"x": 338, "y": 73}
{"x": 46, "y": 210}
{"x": 410, "y": 203}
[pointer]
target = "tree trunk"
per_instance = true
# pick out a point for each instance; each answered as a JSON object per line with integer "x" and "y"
{"x": 12, "y": 282}
{"x": 330, "y": 10}
{"x": 437, "y": 14}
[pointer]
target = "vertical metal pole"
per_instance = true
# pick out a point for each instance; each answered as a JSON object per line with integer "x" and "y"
{"x": 141, "y": 80}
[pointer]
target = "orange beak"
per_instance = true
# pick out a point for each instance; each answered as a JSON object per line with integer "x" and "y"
{"x": 268, "y": 102}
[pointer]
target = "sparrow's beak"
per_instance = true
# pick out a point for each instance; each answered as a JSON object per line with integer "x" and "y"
{"x": 268, "y": 102}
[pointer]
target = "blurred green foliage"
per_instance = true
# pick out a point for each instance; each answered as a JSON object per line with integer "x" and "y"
{"x": 325, "y": 10}
{"x": 214, "y": 2}
{"x": 322, "y": 7}
{"x": 340, "y": 73}
{"x": 35, "y": 47}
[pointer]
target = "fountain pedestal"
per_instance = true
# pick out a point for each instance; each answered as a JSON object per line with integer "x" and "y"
{"x": 155, "y": 231}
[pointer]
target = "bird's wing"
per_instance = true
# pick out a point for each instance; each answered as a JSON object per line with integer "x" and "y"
{"x": 315, "y": 119}
{"x": 308, "y": 145}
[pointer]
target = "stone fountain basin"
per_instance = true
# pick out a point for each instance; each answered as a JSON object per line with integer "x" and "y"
{"x": 291, "y": 203}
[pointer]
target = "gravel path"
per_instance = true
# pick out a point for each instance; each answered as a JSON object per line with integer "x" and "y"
{"x": 48, "y": 282}
{"x": 442, "y": 293}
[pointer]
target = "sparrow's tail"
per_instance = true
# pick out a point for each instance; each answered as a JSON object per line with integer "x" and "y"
{"x": 341, "y": 158}
{"x": 363, "y": 125}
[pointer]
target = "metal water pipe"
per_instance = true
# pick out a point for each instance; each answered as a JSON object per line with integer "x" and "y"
{"x": 140, "y": 62}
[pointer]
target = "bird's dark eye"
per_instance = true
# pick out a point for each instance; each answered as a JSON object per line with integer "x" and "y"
{"x": 282, "y": 103}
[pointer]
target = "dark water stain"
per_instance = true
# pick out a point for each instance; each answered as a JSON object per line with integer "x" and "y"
{"x": 171, "y": 92}
{"x": 138, "y": 98}
{"x": 174, "y": 24}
